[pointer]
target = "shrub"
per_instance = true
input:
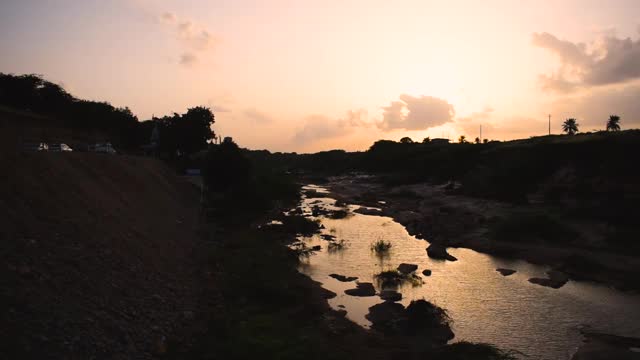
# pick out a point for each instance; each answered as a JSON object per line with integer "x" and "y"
{"x": 531, "y": 227}
{"x": 381, "y": 246}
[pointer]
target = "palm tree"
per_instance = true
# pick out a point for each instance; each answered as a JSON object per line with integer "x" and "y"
{"x": 614, "y": 123}
{"x": 462, "y": 139}
{"x": 570, "y": 126}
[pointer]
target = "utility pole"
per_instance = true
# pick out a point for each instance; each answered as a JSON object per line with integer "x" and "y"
{"x": 480, "y": 132}
{"x": 549, "y": 124}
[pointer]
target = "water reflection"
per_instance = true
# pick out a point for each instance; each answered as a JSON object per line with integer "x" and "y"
{"x": 485, "y": 306}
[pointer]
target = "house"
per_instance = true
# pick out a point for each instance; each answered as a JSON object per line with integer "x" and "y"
{"x": 439, "y": 141}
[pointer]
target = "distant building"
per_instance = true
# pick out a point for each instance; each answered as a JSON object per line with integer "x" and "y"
{"x": 439, "y": 141}
{"x": 227, "y": 139}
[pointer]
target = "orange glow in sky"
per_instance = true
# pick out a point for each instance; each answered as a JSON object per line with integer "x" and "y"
{"x": 315, "y": 75}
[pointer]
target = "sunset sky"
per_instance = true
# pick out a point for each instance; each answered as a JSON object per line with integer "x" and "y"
{"x": 315, "y": 75}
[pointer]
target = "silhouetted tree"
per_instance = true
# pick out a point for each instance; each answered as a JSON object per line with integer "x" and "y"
{"x": 33, "y": 93}
{"x": 426, "y": 140}
{"x": 462, "y": 139}
{"x": 185, "y": 134}
{"x": 226, "y": 167}
{"x": 406, "y": 140}
{"x": 484, "y": 141}
{"x": 193, "y": 129}
{"x": 570, "y": 126}
{"x": 477, "y": 140}
{"x": 613, "y": 124}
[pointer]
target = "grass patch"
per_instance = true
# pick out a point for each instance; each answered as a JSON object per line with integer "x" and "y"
{"x": 381, "y": 247}
{"x": 335, "y": 246}
{"x": 394, "y": 278}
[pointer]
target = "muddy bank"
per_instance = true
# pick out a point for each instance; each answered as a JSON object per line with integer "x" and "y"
{"x": 599, "y": 346}
{"x": 433, "y": 213}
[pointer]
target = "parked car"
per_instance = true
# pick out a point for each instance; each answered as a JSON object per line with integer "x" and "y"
{"x": 35, "y": 146}
{"x": 60, "y": 147}
{"x": 106, "y": 148}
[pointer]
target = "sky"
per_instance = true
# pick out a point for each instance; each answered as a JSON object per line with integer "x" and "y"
{"x": 306, "y": 75}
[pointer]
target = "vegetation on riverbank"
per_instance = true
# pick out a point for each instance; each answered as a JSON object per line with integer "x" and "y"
{"x": 268, "y": 309}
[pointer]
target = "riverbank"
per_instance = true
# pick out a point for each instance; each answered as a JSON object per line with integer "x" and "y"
{"x": 598, "y": 346}
{"x": 267, "y": 309}
{"x": 435, "y": 214}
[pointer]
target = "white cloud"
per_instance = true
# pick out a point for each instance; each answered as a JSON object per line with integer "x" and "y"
{"x": 193, "y": 38}
{"x": 257, "y": 116}
{"x": 416, "y": 113}
{"x": 607, "y": 60}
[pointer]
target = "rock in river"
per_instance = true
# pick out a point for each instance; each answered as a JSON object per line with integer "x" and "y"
{"x": 362, "y": 289}
{"x": 343, "y": 278}
{"x": 556, "y": 279}
{"x": 439, "y": 251}
{"x": 390, "y": 295}
{"x": 505, "y": 272}
{"x": 421, "y": 318}
{"x": 426, "y": 272}
{"x": 368, "y": 211}
{"x": 407, "y": 268}
{"x": 388, "y": 317}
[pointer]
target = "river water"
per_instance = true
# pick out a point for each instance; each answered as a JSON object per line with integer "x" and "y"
{"x": 510, "y": 312}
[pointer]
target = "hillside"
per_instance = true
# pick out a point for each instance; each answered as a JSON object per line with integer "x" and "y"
{"x": 97, "y": 256}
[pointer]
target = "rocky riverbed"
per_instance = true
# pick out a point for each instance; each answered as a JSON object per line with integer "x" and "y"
{"x": 447, "y": 220}
{"x": 485, "y": 305}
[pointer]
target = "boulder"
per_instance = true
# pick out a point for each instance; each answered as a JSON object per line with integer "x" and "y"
{"x": 439, "y": 251}
{"x": 390, "y": 295}
{"x": 421, "y": 319}
{"x": 362, "y": 289}
{"x": 556, "y": 279}
{"x": 426, "y": 272}
{"x": 338, "y": 214}
{"x": 343, "y": 278}
{"x": 367, "y": 211}
{"x": 388, "y": 317}
{"x": 427, "y": 319}
{"x": 505, "y": 272}
{"x": 407, "y": 268}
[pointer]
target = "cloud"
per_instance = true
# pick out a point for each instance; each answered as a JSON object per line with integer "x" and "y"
{"x": 318, "y": 127}
{"x": 416, "y": 113}
{"x": 188, "y": 59}
{"x": 476, "y": 116}
{"x": 257, "y": 116}
{"x": 592, "y": 109}
{"x": 607, "y": 60}
{"x": 470, "y": 125}
{"x": 168, "y": 17}
{"x": 193, "y": 38}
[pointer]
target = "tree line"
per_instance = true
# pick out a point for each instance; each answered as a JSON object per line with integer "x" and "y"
{"x": 177, "y": 134}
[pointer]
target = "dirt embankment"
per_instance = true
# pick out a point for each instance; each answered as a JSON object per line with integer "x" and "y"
{"x": 98, "y": 256}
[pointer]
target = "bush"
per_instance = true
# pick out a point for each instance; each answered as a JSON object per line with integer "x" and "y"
{"x": 531, "y": 227}
{"x": 381, "y": 246}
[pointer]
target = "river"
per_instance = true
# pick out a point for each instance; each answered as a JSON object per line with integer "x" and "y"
{"x": 510, "y": 312}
